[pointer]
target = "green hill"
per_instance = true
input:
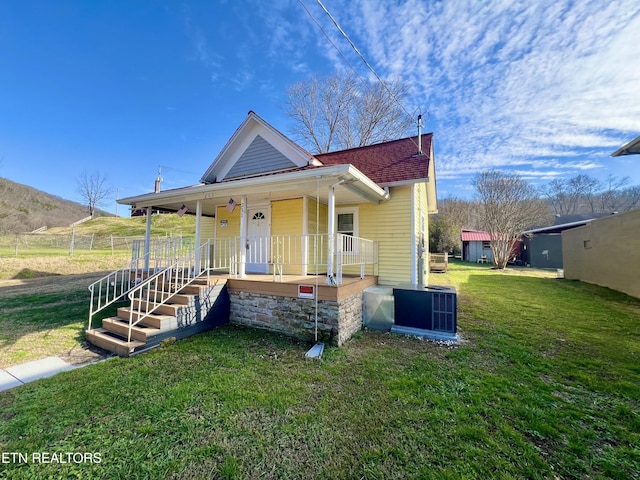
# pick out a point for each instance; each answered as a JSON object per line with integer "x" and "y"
{"x": 168, "y": 224}
{"x": 24, "y": 209}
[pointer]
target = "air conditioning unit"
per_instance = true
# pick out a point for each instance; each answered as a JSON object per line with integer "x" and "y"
{"x": 428, "y": 311}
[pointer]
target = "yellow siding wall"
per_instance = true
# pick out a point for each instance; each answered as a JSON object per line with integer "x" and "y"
{"x": 286, "y": 217}
{"x": 207, "y": 228}
{"x": 321, "y": 228}
{"x": 311, "y": 223}
{"x": 422, "y": 236}
{"x": 232, "y": 230}
{"x": 233, "y": 222}
{"x": 286, "y": 220}
{"x": 389, "y": 224}
{"x": 609, "y": 257}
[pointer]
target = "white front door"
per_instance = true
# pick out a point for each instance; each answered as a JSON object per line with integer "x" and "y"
{"x": 258, "y": 241}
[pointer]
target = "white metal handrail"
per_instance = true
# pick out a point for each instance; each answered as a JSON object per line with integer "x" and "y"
{"x": 113, "y": 287}
{"x": 156, "y": 290}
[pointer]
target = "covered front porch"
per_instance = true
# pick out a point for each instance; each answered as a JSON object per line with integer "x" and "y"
{"x": 295, "y": 223}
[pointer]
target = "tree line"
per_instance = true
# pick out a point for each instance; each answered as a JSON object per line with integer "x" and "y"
{"x": 506, "y": 205}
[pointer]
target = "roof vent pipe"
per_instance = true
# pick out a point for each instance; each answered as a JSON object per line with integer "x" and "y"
{"x": 420, "y": 134}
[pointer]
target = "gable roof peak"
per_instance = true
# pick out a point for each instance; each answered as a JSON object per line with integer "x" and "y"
{"x": 266, "y": 149}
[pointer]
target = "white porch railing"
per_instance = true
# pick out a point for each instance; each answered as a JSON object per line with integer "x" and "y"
{"x": 276, "y": 254}
{"x": 353, "y": 251}
{"x": 162, "y": 251}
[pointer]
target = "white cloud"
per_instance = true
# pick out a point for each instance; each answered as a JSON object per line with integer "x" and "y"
{"x": 510, "y": 83}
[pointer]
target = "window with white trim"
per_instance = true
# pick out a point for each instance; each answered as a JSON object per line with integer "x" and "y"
{"x": 347, "y": 224}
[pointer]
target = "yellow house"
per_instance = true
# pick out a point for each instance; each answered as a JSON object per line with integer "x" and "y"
{"x": 282, "y": 204}
{"x": 270, "y": 212}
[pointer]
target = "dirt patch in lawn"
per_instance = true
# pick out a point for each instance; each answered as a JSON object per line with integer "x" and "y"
{"x": 85, "y": 353}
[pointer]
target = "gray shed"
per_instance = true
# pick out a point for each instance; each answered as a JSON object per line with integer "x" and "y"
{"x": 542, "y": 247}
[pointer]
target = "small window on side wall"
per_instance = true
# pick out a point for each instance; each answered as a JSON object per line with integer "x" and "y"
{"x": 587, "y": 244}
{"x": 486, "y": 245}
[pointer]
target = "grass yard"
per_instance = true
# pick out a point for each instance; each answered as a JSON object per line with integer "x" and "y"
{"x": 545, "y": 385}
{"x": 45, "y": 316}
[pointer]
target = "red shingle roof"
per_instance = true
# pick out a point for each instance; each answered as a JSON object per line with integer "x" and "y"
{"x": 474, "y": 236}
{"x": 387, "y": 162}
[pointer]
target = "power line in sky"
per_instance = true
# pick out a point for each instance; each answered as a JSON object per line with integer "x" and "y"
{"x": 355, "y": 49}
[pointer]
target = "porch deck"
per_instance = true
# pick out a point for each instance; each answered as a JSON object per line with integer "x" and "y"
{"x": 288, "y": 287}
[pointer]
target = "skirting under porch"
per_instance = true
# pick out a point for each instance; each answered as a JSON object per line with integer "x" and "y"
{"x": 289, "y": 308}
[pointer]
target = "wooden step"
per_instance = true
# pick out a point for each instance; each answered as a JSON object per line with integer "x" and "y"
{"x": 166, "y": 309}
{"x": 192, "y": 289}
{"x": 151, "y": 320}
{"x": 175, "y": 298}
{"x": 120, "y": 327}
{"x": 111, "y": 342}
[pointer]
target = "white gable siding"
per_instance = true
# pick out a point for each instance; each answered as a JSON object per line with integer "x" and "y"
{"x": 259, "y": 157}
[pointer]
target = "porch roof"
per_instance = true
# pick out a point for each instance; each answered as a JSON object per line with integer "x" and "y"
{"x": 353, "y": 187}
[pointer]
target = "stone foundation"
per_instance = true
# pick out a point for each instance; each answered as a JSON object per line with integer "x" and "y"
{"x": 337, "y": 320}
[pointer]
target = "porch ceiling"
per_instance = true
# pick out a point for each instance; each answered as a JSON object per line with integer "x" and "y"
{"x": 353, "y": 187}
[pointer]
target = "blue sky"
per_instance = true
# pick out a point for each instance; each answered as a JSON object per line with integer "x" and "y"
{"x": 547, "y": 89}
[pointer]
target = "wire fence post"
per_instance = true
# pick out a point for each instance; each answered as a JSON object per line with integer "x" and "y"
{"x": 17, "y": 240}
{"x": 73, "y": 235}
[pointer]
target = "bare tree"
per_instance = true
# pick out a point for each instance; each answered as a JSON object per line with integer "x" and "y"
{"x": 631, "y": 197}
{"x": 611, "y": 198}
{"x": 568, "y": 196}
{"x": 93, "y": 189}
{"x": 556, "y": 192}
{"x": 509, "y": 206}
{"x": 336, "y": 113}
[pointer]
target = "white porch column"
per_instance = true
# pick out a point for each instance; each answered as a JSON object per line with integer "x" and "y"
{"x": 198, "y": 218}
{"x": 331, "y": 230}
{"x": 147, "y": 240}
{"x": 305, "y": 235}
{"x": 243, "y": 238}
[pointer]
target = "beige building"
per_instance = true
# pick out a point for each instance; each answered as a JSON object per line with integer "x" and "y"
{"x": 605, "y": 252}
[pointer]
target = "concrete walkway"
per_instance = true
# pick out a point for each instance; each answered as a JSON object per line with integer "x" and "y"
{"x": 28, "y": 372}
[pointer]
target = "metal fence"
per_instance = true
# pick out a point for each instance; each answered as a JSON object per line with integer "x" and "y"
{"x": 41, "y": 244}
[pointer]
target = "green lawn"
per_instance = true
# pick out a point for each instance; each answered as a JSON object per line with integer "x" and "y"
{"x": 546, "y": 384}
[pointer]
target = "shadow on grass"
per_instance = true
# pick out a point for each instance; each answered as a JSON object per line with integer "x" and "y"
{"x": 27, "y": 273}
